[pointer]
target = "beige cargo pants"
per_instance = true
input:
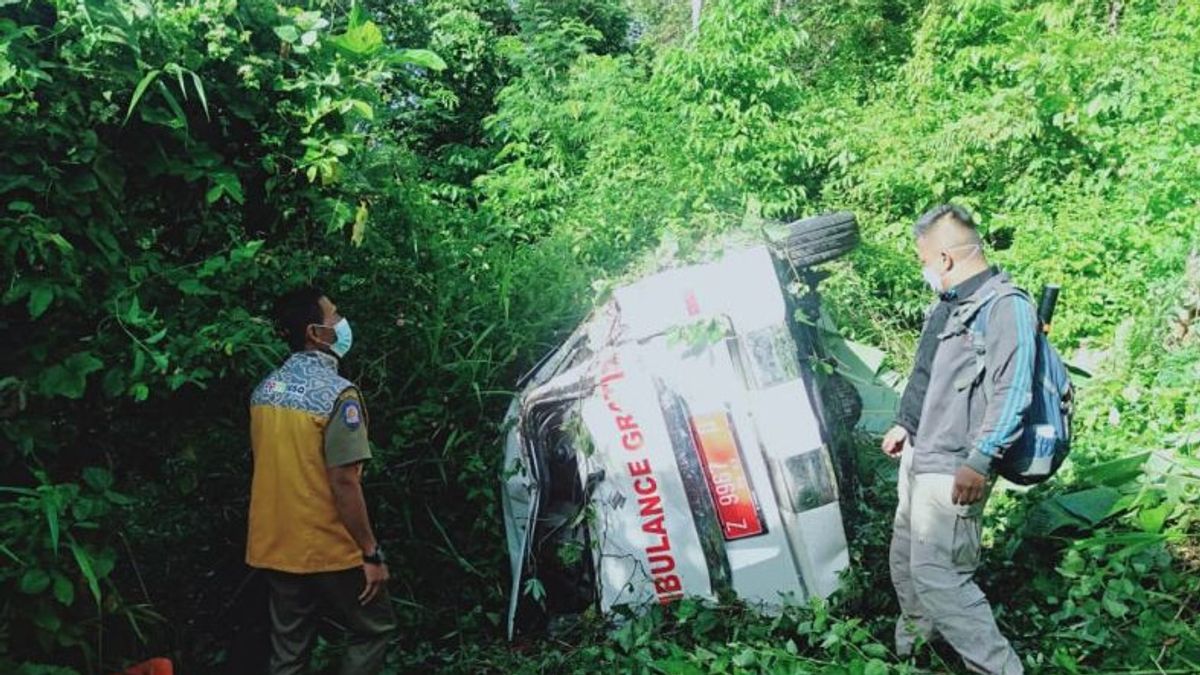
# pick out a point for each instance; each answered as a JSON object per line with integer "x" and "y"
{"x": 935, "y": 551}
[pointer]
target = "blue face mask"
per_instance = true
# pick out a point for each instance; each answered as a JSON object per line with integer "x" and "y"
{"x": 343, "y": 339}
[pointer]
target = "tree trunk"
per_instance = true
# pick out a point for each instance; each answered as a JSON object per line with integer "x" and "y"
{"x": 1114, "y": 15}
{"x": 697, "y": 5}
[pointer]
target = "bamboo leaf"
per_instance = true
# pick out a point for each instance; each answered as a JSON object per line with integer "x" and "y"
{"x": 85, "y": 568}
{"x": 200, "y": 93}
{"x": 147, "y": 79}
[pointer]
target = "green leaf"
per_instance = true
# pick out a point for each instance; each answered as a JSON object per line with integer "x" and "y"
{"x": 362, "y": 40}
{"x": 50, "y": 508}
{"x": 230, "y": 185}
{"x": 180, "y": 120}
{"x": 288, "y": 34}
{"x": 34, "y": 581}
{"x": 418, "y": 57}
{"x": 99, "y": 478}
{"x": 246, "y": 251}
{"x": 64, "y": 590}
{"x": 147, "y": 79}
{"x": 360, "y": 225}
{"x": 876, "y": 667}
{"x": 193, "y": 286}
{"x": 1153, "y": 519}
{"x": 363, "y": 109}
{"x": 40, "y": 298}
{"x": 200, "y": 92}
{"x": 1092, "y": 505}
{"x": 69, "y": 378}
{"x": 1115, "y": 472}
{"x": 11, "y": 556}
{"x": 534, "y": 589}
{"x": 85, "y": 568}
{"x": 1114, "y": 606}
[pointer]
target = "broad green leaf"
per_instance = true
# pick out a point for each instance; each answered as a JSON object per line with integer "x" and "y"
{"x": 1153, "y": 519}
{"x": 40, "y": 298}
{"x": 310, "y": 21}
{"x": 230, "y": 185}
{"x": 34, "y": 581}
{"x": 1115, "y": 607}
{"x": 1114, "y": 473}
{"x": 147, "y": 79}
{"x": 419, "y": 57}
{"x": 362, "y": 40}
{"x": 64, "y": 590}
{"x": 69, "y": 377}
{"x": 288, "y": 34}
{"x": 363, "y": 109}
{"x": 213, "y": 194}
{"x": 1092, "y": 505}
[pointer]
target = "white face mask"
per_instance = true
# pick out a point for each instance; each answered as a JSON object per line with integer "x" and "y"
{"x": 934, "y": 279}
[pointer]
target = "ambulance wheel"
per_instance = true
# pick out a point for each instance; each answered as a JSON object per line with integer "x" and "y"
{"x": 843, "y": 401}
{"x": 819, "y": 239}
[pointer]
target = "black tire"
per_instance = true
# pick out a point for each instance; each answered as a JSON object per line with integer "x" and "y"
{"x": 843, "y": 401}
{"x": 819, "y": 239}
{"x": 843, "y": 408}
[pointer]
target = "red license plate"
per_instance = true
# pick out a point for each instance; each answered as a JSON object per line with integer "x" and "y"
{"x": 727, "y": 480}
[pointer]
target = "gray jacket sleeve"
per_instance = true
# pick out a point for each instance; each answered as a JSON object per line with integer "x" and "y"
{"x": 1010, "y": 334}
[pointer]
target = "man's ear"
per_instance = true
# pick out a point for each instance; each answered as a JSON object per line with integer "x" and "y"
{"x": 311, "y": 335}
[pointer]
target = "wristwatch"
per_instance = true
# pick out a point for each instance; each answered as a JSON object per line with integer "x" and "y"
{"x": 375, "y": 558}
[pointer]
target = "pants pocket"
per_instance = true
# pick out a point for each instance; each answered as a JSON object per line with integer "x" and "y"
{"x": 964, "y": 549}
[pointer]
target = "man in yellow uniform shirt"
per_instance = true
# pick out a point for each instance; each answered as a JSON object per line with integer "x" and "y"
{"x": 309, "y": 529}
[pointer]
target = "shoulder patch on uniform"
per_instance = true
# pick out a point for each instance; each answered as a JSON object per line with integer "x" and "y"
{"x": 351, "y": 414}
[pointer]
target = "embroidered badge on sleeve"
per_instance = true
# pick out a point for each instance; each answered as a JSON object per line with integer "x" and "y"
{"x": 351, "y": 415}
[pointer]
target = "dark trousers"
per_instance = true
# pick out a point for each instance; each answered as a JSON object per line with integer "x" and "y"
{"x": 299, "y": 600}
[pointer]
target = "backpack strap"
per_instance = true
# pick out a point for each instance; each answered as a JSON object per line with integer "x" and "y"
{"x": 977, "y": 319}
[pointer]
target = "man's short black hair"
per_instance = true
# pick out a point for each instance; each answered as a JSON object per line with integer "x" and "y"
{"x": 938, "y": 213}
{"x": 295, "y": 311}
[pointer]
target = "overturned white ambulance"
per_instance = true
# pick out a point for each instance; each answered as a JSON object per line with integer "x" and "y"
{"x": 687, "y": 440}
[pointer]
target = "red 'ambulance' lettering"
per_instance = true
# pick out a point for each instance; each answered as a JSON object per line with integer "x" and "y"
{"x": 667, "y": 586}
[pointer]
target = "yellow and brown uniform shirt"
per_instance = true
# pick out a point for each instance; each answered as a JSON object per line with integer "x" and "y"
{"x": 304, "y": 418}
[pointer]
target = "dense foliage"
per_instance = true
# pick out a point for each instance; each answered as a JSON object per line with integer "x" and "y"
{"x": 462, "y": 177}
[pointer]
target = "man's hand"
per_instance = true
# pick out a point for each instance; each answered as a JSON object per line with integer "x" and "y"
{"x": 893, "y": 441}
{"x": 969, "y": 486}
{"x": 377, "y": 578}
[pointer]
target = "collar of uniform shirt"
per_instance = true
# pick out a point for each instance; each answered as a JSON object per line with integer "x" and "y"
{"x": 966, "y": 289}
{"x": 327, "y": 360}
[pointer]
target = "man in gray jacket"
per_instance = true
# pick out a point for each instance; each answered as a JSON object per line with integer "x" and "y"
{"x": 962, "y": 408}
